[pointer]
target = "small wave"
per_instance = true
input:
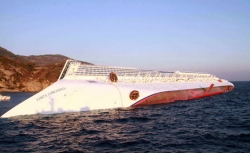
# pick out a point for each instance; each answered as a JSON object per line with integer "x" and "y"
{"x": 239, "y": 137}
{"x": 139, "y": 119}
{"x": 86, "y": 131}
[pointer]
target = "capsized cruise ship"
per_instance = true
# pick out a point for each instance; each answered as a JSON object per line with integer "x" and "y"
{"x": 82, "y": 87}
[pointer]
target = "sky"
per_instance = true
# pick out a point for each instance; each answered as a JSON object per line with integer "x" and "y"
{"x": 211, "y": 36}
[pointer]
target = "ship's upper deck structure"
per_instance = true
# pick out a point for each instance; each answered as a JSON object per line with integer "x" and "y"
{"x": 76, "y": 70}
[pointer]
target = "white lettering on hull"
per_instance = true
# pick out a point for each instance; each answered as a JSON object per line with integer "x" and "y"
{"x": 50, "y": 93}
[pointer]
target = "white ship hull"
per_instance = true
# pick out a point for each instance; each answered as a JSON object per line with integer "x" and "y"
{"x": 75, "y": 93}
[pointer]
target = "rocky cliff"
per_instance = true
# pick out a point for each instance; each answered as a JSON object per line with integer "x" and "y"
{"x": 28, "y": 73}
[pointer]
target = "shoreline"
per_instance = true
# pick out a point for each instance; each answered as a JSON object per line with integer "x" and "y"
{"x": 4, "y": 91}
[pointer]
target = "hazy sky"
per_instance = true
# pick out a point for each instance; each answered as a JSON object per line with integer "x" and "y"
{"x": 187, "y": 35}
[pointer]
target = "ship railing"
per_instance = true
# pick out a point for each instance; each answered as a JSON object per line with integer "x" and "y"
{"x": 74, "y": 69}
{"x": 64, "y": 70}
{"x": 188, "y": 76}
{"x": 146, "y": 77}
{"x": 70, "y": 67}
{"x": 164, "y": 77}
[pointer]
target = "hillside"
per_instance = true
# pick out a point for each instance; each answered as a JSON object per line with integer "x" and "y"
{"x": 29, "y": 73}
{"x": 5, "y": 52}
{"x": 42, "y": 60}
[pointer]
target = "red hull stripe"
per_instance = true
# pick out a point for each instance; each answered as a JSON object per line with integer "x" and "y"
{"x": 188, "y": 94}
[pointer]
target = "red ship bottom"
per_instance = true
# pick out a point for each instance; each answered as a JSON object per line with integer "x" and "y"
{"x": 189, "y": 94}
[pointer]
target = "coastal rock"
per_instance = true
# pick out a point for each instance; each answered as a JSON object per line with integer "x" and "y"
{"x": 33, "y": 86}
{"x": 29, "y": 73}
{"x": 23, "y": 74}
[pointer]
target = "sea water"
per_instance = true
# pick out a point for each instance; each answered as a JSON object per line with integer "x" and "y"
{"x": 213, "y": 124}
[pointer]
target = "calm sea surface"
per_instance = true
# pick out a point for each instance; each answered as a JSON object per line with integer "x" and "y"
{"x": 213, "y": 124}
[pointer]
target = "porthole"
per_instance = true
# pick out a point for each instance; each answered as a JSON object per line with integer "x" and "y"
{"x": 113, "y": 77}
{"x": 134, "y": 95}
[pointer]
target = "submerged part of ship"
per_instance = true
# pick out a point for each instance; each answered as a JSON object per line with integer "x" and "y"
{"x": 83, "y": 87}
